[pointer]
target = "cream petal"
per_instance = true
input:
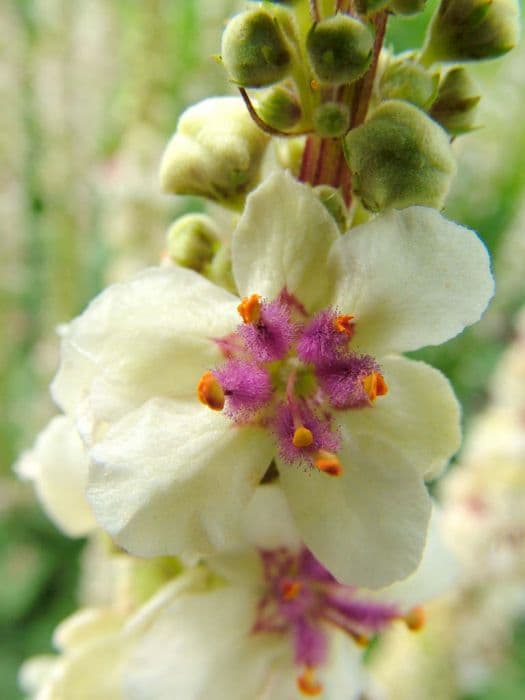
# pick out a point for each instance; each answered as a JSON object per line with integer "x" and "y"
{"x": 150, "y": 336}
{"x": 367, "y": 526}
{"x": 202, "y": 648}
{"x": 282, "y": 240}
{"x": 420, "y": 415}
{"x": 172, "y": 477}
{"x": 58, "y": 467}
{"x": 411, "y": 278}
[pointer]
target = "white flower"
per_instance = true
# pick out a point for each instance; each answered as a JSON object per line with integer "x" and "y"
{"x": 298, "y": 380}
{"x": 280, "y": 628}
{"x": 58, "y": 467}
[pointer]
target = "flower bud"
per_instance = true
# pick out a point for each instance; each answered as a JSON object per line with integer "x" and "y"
{"x": 365, "y": 7}
{"x": 254, "y": 49}
{"x": 192, "y": 241}
{"x": 280, "y": 108}
{"x": 216, "y": 152}
{"x": 220, "y": 271}
{"x": 456, "y": 103}
{"x": 331, "y": 119}
{"x": 407, "y": 7}
{"x": 399, "y": 157}
{"x": 333, "y": 201}
{"x": 339, "y": 49}
{"x": 408, "y": 80}
{"x": 470, "y": 30}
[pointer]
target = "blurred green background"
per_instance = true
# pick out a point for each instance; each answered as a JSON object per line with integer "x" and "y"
{"x": 91, "y": 91}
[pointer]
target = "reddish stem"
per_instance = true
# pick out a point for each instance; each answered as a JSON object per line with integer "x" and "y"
{"x": 364, "y": 86}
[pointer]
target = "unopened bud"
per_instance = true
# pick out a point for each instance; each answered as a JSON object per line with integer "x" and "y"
{"x": 470, "y": 30}
{"x": 220, "y": 270}
{"x": 456, "y": 103}
{"x": 365, "y": 7}
{"x": 254, "y": 49}
{"x": 192, "y": 241}
{"x": 331, "y": 119}
{"x": 339, "y": 49}
{"x": 407, "y": 7}
{"x": 216, "y": 152}
{"x": 408, "y": 80}
{"x": 400, "y": 157}
{"x": 280, "y": 108}
{"x": 333, "y": 202}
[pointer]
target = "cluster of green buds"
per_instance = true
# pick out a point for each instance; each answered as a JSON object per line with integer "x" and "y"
{"x": 375, "y": 127}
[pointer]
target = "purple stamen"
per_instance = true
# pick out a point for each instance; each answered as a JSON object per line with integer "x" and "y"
{"x": 271, "y": 337}
{"x": 319, "y": 342}
{"x": 247, "y": 388}
{"x": 342, "y": 380}
{"x": 292, "y": 415}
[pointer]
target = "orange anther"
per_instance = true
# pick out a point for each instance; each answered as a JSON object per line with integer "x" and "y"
{"x": 302, "y": 437}
{"x": 415, "y": 619}
{"x": 210, "y": 392}
{"x": 290, "y": 589}
{"x": 375, "y": 385}
{"x": 344, "y": 324}
{"x": 315, "y": 85}
{"x": 307, "y": 683}
{"x": 250, "y": 308}
{"x": 360, "y": 639}
{"x": 328, "y": 463}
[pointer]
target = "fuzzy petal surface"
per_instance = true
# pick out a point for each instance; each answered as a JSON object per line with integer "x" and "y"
{"x": 420, "y": 415}
{"x": 411, "y": 278}
{"x": 146, "y": 337}
{"x": 367, "y": 526}
{"x": 283, "y": 239}
{"x": 172, "y": 477}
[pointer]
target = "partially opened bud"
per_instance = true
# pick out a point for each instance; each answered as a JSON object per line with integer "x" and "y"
{"x": 254, "y": 49}
{"x": 216, "y": 152}
{"x": 331, "y": 119}
{"x": 280, "y": 108}
{"x": 470, "y": 30}
{"x": 339, "y": 49}
{"x": 408, "y": 80}
{"x": 456, "y": 103}
{"x": 400, "y": 157}
{"x": 192, "y": 241}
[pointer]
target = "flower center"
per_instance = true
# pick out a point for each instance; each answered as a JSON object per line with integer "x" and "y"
{"x": 290, "y": 373}
{"x": 303, "y": 600}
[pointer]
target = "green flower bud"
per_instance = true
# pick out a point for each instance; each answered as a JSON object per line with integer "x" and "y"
{"x": 400, "y": 157}
{"x": 339, "y": 49}
{"x": 456, "y": 103}
{"x": 254, "y": 49}
{"x": 192, "y": 241}
{"x": 365, "y": 7}
{"x": 408, "y": 80}
{"x": 470, "y": 30}
{"x": 280, "y": 108}
{"x": 331, "y": 119}
{"x": 220, "y": 271}
{"x": 216, "y": 152}
{"x": 407, "y": 7}
{"x": 333, "y": 201}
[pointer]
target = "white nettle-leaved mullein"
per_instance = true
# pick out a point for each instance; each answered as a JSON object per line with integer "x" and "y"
{"x": 303, "y": 371}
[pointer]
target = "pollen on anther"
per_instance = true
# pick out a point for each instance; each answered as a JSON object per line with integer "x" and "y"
{"x": 302, "y": 437}
{"x": 308, "y": 684}
{"x": 415, "y": 619}
{"x": 290, "y": 589}
{"x": 374, "y": 385}
{"x": 250, "y": 308}
{"x": 345, "y": 324}
{"x": 328, "y": 463}
{"x": 210, "y": 392}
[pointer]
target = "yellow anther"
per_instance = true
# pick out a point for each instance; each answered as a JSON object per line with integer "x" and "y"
{"x": 210, "y": 392}
{"x": 307, "y": 683}
{"x": 291, "y": 589}
{"x": 344, "y": 324}
{"x": 328, "y": 463}
{"x": 360, "y": 639}
{"x": 250, "y": 308}
{"x": 315, "y": 85}
{"x": 415, "y": 619}
{"x": 374, "y": 384}
{"x": 302, "y": 437}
